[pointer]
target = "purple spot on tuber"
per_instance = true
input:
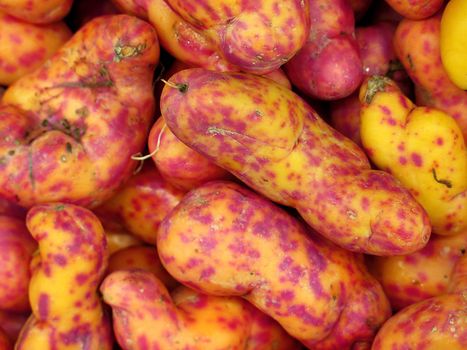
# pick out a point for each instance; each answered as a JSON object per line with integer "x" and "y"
{"x": 43, "y": 306}
{"x": 207, "y": 272}
{"x": 416, "y": 159}
{"x": 60, "y": 260}
{"x": 365, "y": 203}
{"x": 287, "y": 295}
{"x": 81, "y": 278}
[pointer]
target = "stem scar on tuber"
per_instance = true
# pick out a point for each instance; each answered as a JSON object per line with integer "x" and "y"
{"x": 125, "y": 51}
{"x": 375, "y": 84}
{"x": 182, "y": 87}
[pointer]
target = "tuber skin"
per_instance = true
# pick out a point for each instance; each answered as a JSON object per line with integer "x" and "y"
{"x": 227, "y": 35}
{"x": 417, "y": 45}
{"x": 67, "y": 313}
{"x": 274, "y": 142}
{"x": 142, "y": 258}
{"x": 116, "y": 234}
{"x": 416, "y": 9}
{"x": 178, "y": 164}
{"x": 32, "y": 46}
{"x": 118, "y": 239}
{"x": 411, "y": 278}
{"x": 147, "y": 316}
{"x": 223, "y": 239}
{"x": 345, "y": 117}
{"x": 376, "y": 49}
{"x": 378, "y": 58}
{"x": 328, "y": 66}
{"x": 278, "y": 75}
{"x": 142, "y": 203}
{"x": 453, "y": 42}
{"x": 68, "y": 130}
{"x": 37, "y": 11}
{"x": 423, "y": 147}
{"x": 16, "y": 251}
{"x": 432, "y": 324}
